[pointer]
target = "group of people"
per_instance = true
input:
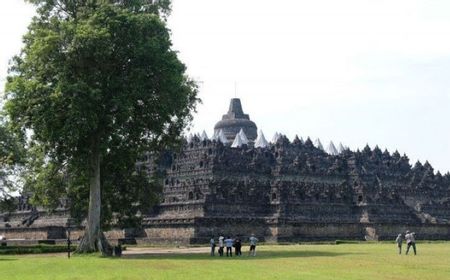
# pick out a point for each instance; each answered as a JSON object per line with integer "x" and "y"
{"x": 410, "y": 242}
{"x": 229, "y": 243}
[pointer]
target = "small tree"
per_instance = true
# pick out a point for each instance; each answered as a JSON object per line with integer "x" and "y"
{"x": 97, "y": 83}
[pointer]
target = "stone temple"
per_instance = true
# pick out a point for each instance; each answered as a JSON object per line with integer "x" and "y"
{"x": 237, "y": 183}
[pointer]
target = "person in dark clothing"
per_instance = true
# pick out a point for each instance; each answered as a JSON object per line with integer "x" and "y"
{"x": 237, "y": 246}
{"x": 212, "y": 242}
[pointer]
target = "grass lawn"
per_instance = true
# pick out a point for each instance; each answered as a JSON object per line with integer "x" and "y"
{"x": 345, "y": 261}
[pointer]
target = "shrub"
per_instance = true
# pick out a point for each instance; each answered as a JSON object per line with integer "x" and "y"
{"x": 37, "y": 249}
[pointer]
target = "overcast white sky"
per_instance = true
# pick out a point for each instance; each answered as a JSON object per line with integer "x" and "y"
{"x": 356, "y": 71}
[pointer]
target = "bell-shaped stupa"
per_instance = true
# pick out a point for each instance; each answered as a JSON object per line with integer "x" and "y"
{"x": 235, "y": 120}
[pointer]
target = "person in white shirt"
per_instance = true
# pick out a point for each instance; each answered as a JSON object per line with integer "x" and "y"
{"x": 253, "y": 241}
{"x": 410, "y": 241}
{"x": 229, "y": 243}
{"x": 221, "y": 246}
{"x": 399, "y": 241}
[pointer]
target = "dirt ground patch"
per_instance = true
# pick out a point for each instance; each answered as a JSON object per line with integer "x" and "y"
{"x": 162, "y": 251}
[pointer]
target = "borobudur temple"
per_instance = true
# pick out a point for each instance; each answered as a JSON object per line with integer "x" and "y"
{"x": 238, "y": 183}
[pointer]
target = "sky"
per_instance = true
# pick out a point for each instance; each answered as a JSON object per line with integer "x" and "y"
{"x": 352, "y": 71}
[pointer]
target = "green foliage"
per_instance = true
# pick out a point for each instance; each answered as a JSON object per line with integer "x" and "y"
{"x": 130, "y": 187}
{"x": 97, "y": 77}
{"x": 76, "y": 8}
{"x": 43, "y": 177}
{"x": 11, "y": 149}
{"x": 11, "y": 158}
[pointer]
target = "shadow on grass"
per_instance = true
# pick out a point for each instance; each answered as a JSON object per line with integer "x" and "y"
{"x": 6, "y": 260}
{"x": 260, "y": 255}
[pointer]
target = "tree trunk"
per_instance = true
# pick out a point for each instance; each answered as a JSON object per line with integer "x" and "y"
{"x": 94, "y": 239}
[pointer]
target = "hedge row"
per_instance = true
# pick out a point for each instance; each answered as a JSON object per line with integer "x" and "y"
{"x": 37, "y": 249}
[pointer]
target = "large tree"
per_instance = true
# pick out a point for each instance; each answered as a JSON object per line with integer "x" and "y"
{"x": 97, "y": 84}
{"x": 11, "y": 156}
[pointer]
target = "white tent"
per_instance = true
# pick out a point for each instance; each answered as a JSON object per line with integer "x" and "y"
{"x": 341, "y": 148}
{"x": 237, "y": 143}
{"x": 318, "y": 144}
{"x": 243, "y": 137}
{"x": 331, "y": 149}
{"x": 189, "y": 138}
{"x": 215, "y": 135}
{"x": 221, "y": 137}
{"x": 276, "y": 137}
{"x": 204, "y": 136}
{"x": 261, "y": 141}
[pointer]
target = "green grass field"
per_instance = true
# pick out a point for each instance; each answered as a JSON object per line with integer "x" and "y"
{"x": 345, "y": 261}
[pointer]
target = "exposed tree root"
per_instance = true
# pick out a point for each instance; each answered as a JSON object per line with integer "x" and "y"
{"x": 94, "y": 243}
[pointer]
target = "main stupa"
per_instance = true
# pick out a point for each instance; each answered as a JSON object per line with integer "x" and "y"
{"x": 235, "y": 120}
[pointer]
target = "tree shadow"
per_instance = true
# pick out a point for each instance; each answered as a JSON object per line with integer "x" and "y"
{"x": 260, "y": 255}
{"x": 7, "y": 259}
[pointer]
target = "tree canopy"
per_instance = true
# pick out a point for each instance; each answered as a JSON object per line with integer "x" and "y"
{"x": 74, "y": 8}
{"x": 97, "y": 84}
{"x": 11, "y": 158}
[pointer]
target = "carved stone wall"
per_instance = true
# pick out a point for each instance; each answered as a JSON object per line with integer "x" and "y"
{"x": 289, "y": 191}
{"x": 293, "y": 191}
